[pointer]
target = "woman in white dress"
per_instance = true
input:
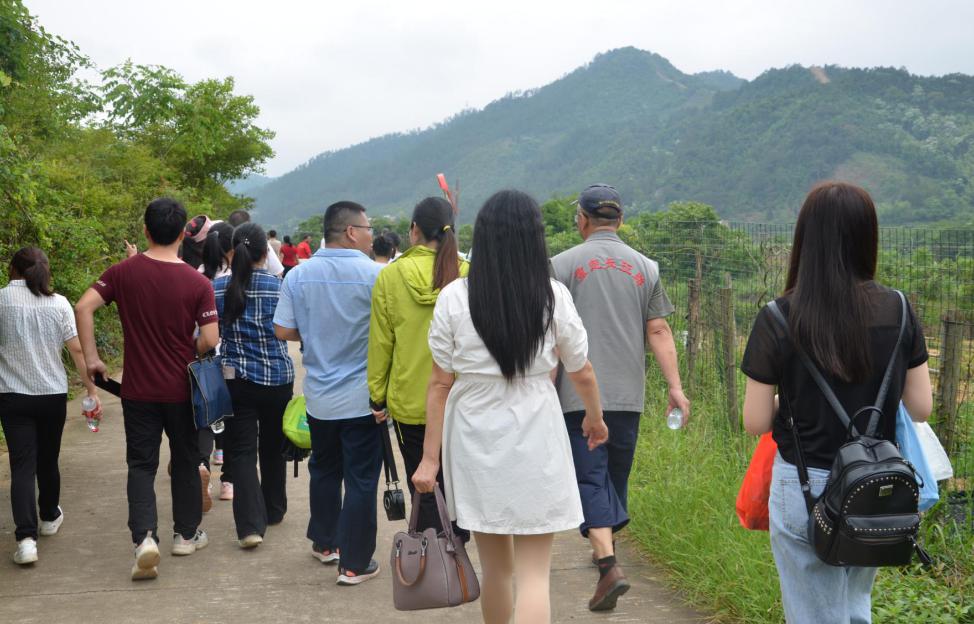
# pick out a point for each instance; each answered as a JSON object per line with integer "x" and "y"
{"x": 496, "y": 338}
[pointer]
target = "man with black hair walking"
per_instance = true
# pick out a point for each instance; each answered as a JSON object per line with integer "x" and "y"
{"x": 618, "y": 294}
{"x": 161, "y": 302}
{"x": 346, "y": 447}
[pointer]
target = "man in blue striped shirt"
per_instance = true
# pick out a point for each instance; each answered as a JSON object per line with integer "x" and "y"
{"x": 326, "y": 302}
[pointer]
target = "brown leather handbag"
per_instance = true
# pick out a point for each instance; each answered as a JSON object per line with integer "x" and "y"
{"x": 431, "y": 570}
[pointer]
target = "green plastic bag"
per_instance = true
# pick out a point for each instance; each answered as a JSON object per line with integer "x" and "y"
{"x": 296, "y": 423}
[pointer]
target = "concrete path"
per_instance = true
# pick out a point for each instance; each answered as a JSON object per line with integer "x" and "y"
{"x": 83, "y": 572}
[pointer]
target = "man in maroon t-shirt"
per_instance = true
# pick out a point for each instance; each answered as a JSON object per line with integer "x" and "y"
{"x": 161, "y": 301}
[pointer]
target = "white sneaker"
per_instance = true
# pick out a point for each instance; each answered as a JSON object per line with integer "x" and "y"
{"x": 251, "y": 541}
{"x": 182, "y": 546}
{"x": 26, "y": 551}
{"x": 50, "y": 528}
{"x": 146, "y": 559}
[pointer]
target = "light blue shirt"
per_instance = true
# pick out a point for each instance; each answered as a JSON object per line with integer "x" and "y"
{"x": 328, "y": 299}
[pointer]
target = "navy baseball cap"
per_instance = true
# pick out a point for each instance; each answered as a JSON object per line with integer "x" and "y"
{"x": 601, "y": 200}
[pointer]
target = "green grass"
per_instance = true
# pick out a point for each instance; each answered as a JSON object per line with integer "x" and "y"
{"x": 681, "y": 501}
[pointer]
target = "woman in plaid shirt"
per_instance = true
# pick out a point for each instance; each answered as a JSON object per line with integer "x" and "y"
{"x": 260, "y": 376}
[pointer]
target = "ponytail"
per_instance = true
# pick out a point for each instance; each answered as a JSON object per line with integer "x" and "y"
{"x": 434, "y": 218}
{"x": 218, "y": 243}
{"x": 447, "y": 265}
{"x": 31, "y": 265}
{"x": 249, "y": 248}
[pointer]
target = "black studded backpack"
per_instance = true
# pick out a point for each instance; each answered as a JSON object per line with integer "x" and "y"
{"x": 867, "y": 515}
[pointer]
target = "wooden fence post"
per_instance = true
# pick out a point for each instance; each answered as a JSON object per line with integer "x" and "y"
{"x": 693, "y": 329}
{"x": 729, "y": 344}
{"x": 949, "y": 381}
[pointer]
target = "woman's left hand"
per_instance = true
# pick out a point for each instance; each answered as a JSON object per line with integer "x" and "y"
{"x": 425, "y": 476}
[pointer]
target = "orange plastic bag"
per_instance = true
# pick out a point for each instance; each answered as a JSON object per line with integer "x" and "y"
{"x": 752, "y": 499}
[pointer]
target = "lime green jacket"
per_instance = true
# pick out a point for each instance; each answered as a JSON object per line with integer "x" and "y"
{"x": 399, "y": 355}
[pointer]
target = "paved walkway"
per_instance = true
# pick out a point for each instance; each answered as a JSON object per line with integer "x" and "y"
{"x": 83, "y": 571}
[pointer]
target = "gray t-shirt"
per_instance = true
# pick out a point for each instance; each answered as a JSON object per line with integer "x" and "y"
{"x": 617, "y": 290}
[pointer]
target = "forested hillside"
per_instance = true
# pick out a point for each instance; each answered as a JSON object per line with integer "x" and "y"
{"x": 79, "y": 161}
{"x": 751, "y": 149}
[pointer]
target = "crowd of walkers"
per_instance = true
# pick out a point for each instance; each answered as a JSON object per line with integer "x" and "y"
{"x": 513, "y": 382}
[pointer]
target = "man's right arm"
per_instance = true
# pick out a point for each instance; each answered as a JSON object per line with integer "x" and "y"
{"x": 285, "y": 324}
{"x": 84, "y": 313}
{"x": 286, "y": 333}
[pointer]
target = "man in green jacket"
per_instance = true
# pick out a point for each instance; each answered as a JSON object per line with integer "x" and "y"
{"x": 402, "y": 308}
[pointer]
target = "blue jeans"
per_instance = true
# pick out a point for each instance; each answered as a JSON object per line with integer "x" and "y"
{"x": 350, "y": 452}
{"x": 811, "y": 591}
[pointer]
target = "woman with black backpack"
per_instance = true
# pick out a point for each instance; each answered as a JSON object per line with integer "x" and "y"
{"x": 852, "y": 330}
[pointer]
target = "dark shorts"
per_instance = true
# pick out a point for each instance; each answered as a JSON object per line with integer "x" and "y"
{"x": 603, "y": 473}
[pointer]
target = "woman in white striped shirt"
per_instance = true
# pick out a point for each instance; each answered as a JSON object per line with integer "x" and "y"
{"x": 35, "y": 325}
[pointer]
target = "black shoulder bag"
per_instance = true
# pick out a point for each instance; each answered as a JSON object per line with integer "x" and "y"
{"x": 867, "y": 515}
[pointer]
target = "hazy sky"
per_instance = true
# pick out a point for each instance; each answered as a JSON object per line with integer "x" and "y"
{"x": 330, "y": 74}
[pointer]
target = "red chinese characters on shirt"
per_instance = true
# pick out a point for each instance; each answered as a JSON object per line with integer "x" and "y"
{"x": 610, "y": 264}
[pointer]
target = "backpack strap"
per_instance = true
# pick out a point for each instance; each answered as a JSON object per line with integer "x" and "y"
{"x": 888, "y": 377}
{"x": 831, "y": 398}
{"x": 826, "y": 389}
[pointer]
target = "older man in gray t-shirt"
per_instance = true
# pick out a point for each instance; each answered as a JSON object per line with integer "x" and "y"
{"x": 618, "y": 294}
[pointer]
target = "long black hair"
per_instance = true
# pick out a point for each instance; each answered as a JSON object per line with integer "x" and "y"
{"x": 511, "y": 299}
{"x": 434, "y": 218}
{"x": 249, "y": 248}
{"x": 30, "y": 264}
{"x": 834, "y": 252}
{"x": 219, "y": 243}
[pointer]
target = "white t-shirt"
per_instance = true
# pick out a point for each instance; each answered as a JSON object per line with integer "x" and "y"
{"x": 33, "y": 330}
{"x": 273, "y": 264}
{"x": 221, "y": 272}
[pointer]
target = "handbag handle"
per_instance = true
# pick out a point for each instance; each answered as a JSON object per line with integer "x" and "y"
{"x": 444, "y": 517}
{"x": 422, "y": 564}
{"x": 388, "y": 459}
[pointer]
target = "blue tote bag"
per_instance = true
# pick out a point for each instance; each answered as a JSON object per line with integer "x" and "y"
{"x": 912, "y": 451}
{"x": 208, "y": 391}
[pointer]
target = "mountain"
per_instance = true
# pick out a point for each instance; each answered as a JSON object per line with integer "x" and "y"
{"x": 630, "y": 118}
{"x": 247, "y": 185}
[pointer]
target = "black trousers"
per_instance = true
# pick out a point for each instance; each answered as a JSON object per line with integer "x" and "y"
{"x": 255, "y": 432}
{"x": 410, "y": 438}
{"x": 33, "y": 426}
{"x": 345, "y": 452}
{"x": 144, "y": 424}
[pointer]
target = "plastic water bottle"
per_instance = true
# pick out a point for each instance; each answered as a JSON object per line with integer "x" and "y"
{"x": 674, "y": 420}
{"x": 218, "y": 426}
{"x": 88, "y": 406}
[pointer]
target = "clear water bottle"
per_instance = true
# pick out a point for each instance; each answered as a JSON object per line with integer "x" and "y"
{"x": 218, "y": 426}
{"x": 88, "y": 406}
{"x": 674, "y": 420}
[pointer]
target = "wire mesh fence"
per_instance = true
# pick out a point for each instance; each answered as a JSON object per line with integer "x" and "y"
{"x": 719, "y": 275}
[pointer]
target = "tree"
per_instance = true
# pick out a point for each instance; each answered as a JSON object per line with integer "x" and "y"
{"x": 203, "y": 129}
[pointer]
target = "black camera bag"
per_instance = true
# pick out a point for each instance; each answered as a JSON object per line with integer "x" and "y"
{"x": 392, "y": 499}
